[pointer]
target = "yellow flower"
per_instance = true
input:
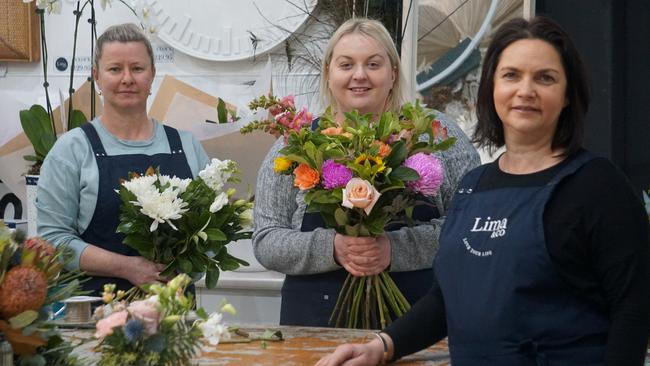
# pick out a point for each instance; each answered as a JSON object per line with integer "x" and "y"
{"x": 281, "y": 164}
{"x": 373, "y": 160}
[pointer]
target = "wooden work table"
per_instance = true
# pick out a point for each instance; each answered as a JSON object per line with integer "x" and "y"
{"x": 301, "y": 346}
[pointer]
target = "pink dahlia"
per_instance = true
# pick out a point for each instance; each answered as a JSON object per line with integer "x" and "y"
{"x": 335, "y": 175}
{"x": 430, "y": 170}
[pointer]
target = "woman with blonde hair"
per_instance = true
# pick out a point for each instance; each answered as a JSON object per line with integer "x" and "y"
{"x": 361, "y": 71}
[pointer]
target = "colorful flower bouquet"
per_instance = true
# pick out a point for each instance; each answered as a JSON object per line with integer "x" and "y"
{"x": 155, "y": 331}
{"x": 185, "y": 223}
{"x": 360, "y": 175}
{"x": 31, "y": 281}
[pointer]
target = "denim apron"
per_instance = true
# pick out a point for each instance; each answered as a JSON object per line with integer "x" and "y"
{"x": 101, "y": 230}
{"x": 309, "y": 300}
{"x": 505, "y": 302}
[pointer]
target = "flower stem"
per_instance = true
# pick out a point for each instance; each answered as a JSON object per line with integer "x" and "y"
{"x": 404, "y": 304}
{"x": 77, "y": 13}
{"x": 44, "y": 57}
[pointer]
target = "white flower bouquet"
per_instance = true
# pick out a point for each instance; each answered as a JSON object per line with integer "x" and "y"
{"x": 185, "y": 223}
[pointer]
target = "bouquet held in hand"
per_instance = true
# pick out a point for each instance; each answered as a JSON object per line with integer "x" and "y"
{"x": 185, "y": 223}
{"x": 360, "y": 174}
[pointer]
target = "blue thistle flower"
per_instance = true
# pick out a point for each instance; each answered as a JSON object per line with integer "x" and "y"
{"x": 133, "y": 330}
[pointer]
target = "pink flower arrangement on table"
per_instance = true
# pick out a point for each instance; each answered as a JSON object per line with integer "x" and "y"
{"x": 360, "y": 175}
{"x": 155, "y": 330}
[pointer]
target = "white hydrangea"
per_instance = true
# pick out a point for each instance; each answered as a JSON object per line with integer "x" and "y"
{"x": 217, "y": 173}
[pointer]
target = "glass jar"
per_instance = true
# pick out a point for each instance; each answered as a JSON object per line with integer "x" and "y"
{"x": 6, "y": 352}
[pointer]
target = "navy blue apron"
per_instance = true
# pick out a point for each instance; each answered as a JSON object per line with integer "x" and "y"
{"x": 308, "y": 300}
{"x": 101, "y": 230}
{"x": 506, "y": 303}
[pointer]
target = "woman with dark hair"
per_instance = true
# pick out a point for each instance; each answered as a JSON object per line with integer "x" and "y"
{"x": 544, "y": 256}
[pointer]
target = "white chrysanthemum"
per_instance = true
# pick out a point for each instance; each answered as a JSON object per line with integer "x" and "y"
{"x": 219, "y": 201}
{"x": 217, "y": 173}
{"x": 175, "y": 182}
{"x": 141, "y": 185}
{"x": 162, "y": 206}
{"x": 213, "y": 330}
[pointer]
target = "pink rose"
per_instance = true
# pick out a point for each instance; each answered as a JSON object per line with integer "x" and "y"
{"x": 147, "y": 312}
{"x": 360, "y": 193}
{"x": 105, "y": 326}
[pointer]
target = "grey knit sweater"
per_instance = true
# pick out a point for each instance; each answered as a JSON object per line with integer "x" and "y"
{"x": 279, "y": 244}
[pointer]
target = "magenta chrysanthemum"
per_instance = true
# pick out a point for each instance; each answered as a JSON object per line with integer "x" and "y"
{"x": 431, "y": 173}
{"x": 335, "y": 175}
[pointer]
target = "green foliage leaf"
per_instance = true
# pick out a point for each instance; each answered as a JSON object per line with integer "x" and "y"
{"x": 38, "y": 129}
{"x": 23, "y": 319}
{"x": 216, "y": 234}
{"x": 185, "y": 265}
{"x": 76, "y": 119}
{"x": 222, "y": 112}
{"x": 397, "y": 155}
{"x": 341, "y": 217}
{"x": 404, "y": 174}
{"x": 140, "y": 243}
{"x": 211, "y": 278}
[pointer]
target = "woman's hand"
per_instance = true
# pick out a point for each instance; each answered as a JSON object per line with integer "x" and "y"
{"x": 362, "y": 256}
{"x": 369, "y": 354}
{"x": 142, "y": 271}
{"x": 96, "y": 261}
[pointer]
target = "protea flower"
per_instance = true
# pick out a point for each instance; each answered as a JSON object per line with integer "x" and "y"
{"x": 23, "y": 288}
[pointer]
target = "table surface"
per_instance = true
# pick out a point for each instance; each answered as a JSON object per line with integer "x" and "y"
{"x": 301, "y": 346}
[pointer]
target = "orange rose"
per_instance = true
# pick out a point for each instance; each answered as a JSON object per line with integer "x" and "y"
{"x": 384, "y": 149}
{"x": 306, "y": 177}
{"x": 360, "y": 193}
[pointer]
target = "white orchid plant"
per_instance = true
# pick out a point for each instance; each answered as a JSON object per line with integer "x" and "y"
{"x": 186, "y": 223}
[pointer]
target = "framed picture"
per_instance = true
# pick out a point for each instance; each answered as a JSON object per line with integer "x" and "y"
{"x": 19, "y": 31}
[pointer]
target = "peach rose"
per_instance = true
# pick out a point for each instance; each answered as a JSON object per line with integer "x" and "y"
{"x": 306, "y": 177}
{"x": 147, "y": 312}
{"x": 332, "y": 131}
{"x": 335, "y": 131}
{"x": 105, "y": 326}
{"x": 360, "y": 193}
